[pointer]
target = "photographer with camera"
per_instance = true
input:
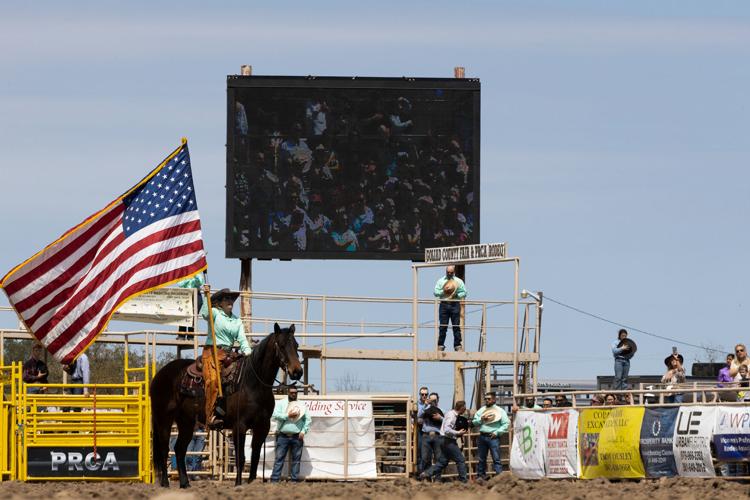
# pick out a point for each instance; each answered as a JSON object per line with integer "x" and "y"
{"x": 455, "y": 425}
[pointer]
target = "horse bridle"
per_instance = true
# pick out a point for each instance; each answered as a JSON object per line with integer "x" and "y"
{"x": 282, "y": 364}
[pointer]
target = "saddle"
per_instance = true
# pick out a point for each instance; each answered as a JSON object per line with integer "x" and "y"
{"x": 192, "y": 383}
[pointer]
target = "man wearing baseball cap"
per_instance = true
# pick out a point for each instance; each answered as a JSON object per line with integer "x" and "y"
{"x": 450, "y": 289}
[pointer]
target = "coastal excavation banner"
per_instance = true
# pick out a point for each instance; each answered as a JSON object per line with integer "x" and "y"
{"x": 608, "y": 442}
{"x": 528, "y": 449}
{"x": 732, "y": 433}
{"x": 561, "y": 459}
{"x": 657, "y": 435}
{"x": 692, "y": 441}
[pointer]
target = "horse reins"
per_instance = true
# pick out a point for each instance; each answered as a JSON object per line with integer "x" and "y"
{"x": 282, "y": 365}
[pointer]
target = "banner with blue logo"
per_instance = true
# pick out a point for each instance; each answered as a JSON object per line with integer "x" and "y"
{"x": 657, "y": 435}
{"x": 732, "y": 433}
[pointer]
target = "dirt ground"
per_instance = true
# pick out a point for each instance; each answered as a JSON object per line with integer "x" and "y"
{"x": 504, "y": 486}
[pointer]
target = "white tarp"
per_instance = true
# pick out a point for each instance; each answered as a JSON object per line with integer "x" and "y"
{"x": 323, "y": 456}
{"x": 528, "y": 448}
{"x": 692, "y": 441}
{"x": 561, "y": 458}
{"x": 164, "y": 306}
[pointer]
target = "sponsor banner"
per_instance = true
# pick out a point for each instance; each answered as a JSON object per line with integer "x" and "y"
{"x": 325, "y": 454}
{"x": 527, "y": 449}
{"x": 82, "y": 462}
{"x": 482, "y": 251}
{"x": 732, "y": 433}
{"x": 692, "y": 441}
{"x": 657, "y": 434}
{"x": 164, "y": 306}
{"x": 561, "y": 459}
{"x": 609, "y": 441}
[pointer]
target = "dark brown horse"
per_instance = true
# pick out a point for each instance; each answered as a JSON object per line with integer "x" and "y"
{"x": 250, "y": 407}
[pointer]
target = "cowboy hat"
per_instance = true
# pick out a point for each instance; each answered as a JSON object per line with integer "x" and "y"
{"x": 224, "y": 293}
{"x": 668, "y": 359}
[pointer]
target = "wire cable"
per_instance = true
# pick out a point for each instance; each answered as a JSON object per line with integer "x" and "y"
{"x": 632, "y": 328}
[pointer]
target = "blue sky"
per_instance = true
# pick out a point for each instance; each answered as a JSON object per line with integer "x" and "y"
{"x": 614, "y": 146}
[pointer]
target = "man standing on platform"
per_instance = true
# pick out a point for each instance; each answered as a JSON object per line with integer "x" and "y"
{"x": 493, "y": 422}
{"x": 450, "y": 289}
{"x": 621, "y": 351}
{"x": 35, "y": 369}
{"x": 293, "y": 422}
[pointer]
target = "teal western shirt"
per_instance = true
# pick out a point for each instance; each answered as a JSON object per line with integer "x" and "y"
{"x": 228, "y": 329}
{"x": 495, "y": 428}
{"x": 287, "y": 425}
{"x": 460, "y": 288}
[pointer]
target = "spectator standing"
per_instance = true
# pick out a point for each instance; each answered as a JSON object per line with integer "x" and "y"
{"x": 740, "y": 359}
{"x": 35, "y": 370}
{"x": 450, "y": 289}
{"x": 743, "y": 382}
{"x": 422, "y": 405}
{"x": 620, "y": 351}
{"x": 493, "y": 422}
{"x": 561, "y": 401}
{"x": 546, "y": 403}
{"x": 432, "y": 421}
{"x": 450, "y": 433}
{"x": 724, "y": 376}
{"x": 293, "y": 422}
{"x": 675, "y": 375}
{"x": 80, "y": 373}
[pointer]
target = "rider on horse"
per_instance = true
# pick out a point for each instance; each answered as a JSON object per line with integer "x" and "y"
{"x": 228, "y": 328}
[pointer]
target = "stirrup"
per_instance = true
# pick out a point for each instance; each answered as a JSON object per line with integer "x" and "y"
{"x": 215, "y": 423}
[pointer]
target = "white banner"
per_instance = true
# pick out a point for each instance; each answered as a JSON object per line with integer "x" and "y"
{"x": 692, "y": 441}
{"x": 528, "y": 448}
{"x": 479, "y": 252}
{"x": 323, "y": 455}
{"x": 164, "y": 306}
{"x": 732, "y": 433}
{"x": 561, "y": 459}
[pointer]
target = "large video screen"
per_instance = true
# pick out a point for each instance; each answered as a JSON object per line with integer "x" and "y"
{"x": 351, "y": 168}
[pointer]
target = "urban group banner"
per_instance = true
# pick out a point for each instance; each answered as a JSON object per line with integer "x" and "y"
{"x": 340, "y": 444}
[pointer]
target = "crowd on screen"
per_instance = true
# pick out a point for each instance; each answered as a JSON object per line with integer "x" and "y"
{"x": 359, "y": 178}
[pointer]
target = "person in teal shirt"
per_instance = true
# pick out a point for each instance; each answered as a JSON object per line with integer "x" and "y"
{"x": 196, "y": 282}
{"x": 228, "y": 329}
{"x": 493, "y": 422}
{"x": 450, "y": 289}
{"x": 293, "y": 421}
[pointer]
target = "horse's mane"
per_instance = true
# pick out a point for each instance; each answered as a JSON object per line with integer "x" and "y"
{"x": 255, "y": 359}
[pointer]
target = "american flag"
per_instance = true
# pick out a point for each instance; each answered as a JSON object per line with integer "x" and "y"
{"x": 147, "y": 238}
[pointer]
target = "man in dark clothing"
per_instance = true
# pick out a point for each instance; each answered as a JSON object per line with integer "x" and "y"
{"x": 35, "y": 370}
{"x": 432, "y": 420}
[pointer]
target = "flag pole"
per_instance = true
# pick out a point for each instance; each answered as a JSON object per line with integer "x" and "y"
{"x": 213, "y": 333}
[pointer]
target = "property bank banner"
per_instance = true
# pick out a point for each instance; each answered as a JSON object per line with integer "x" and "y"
{"x": 561, "y": 459}
{"x": 657, "y": 435}
{"x": 732, "y": 433}
{"x": 692, "y": 441}
{"x": 528, "y": 449}
{"x": 608, "y": 442}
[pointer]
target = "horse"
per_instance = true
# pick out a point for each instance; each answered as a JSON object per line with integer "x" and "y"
{"x": 249, "y": 407}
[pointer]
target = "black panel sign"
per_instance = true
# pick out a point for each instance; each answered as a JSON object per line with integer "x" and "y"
{"x": 76, "y": 461}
